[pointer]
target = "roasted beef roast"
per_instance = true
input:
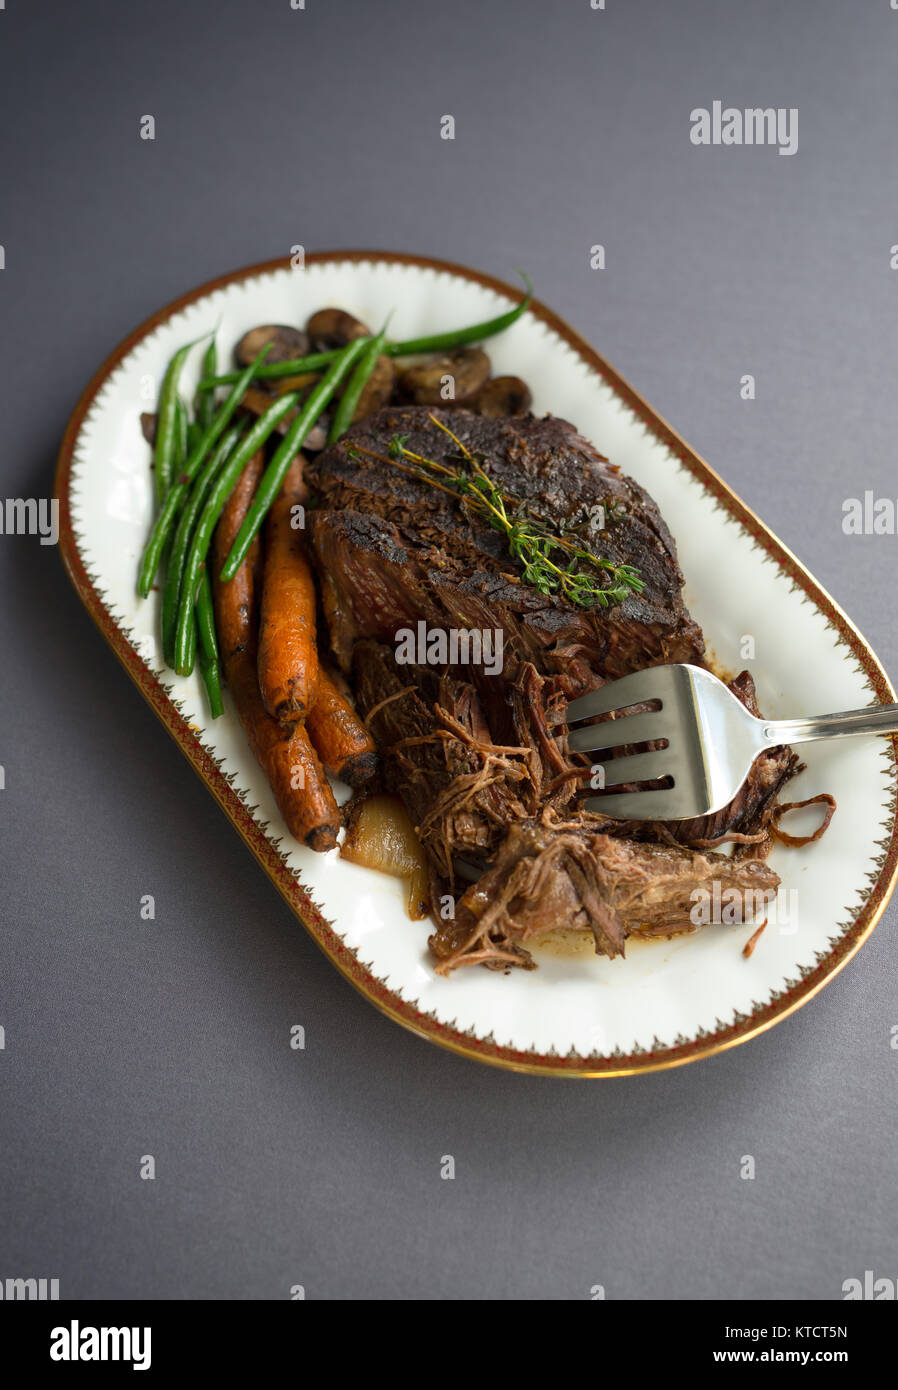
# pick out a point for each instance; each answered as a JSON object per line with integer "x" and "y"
{"x": 481, "y": 760}
{"x": 393, "y": 550}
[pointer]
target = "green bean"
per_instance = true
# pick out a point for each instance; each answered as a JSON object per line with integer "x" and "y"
{"x": 202, "y": 536}
{"x": 436, "y": 342}
{"x": 270, "y": 482}
{"x": 443, "y": 342}
{"x": 205, "y": 618}
{"x": 166, "y": 421}
{"x": 211, "y": 674}
{"x": 356, "y": 385}
{"x": 149, "y": 563}
{"x": 210, "y": 669}
{"x": 171, "y": 506}
{"x": 194, "y": 435}
{"x": 189, "y": 653}
{"x": 181, "y": 423}
{"x": 184, "y": 531}
{"x": 204, "y": 402}
{"x": 298, "y": 367}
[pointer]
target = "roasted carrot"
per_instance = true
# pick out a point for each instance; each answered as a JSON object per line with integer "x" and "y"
{"x": 297, "y": 779}
{"x": 235, "y": 603}
{"x": 339, "y": 737}
{"x": 288, "y": 662}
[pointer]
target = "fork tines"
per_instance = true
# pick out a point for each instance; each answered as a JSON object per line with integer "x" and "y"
{"x": 630, "y": 726}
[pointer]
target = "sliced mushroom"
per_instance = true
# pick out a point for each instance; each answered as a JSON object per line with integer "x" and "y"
{"x": 286, "y": 344}
{"x": 459, "y": 377}
{"x": 504, "y": 395}
{"x": 334, "y": 328}
{"x": 258, "y": 402}
{"x": 148, "y": 426}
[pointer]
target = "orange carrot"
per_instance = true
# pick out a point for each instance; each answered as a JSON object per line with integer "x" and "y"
{"x": 341, "y": 740}
{"x": 235, "y": 603}
{"x": 297, "y": 779}
{"x": 288, "y": 661}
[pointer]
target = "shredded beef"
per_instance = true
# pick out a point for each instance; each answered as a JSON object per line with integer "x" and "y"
{"x": 481, "y": 760}
{"x": 572, "y": 876}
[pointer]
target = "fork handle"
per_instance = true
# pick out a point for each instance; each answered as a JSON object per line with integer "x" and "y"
{"x": 881, "y": 719}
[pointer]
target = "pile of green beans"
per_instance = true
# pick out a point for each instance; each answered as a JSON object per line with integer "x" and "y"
{"x": 198, "y": 463}
{"x": 186, "y": 522}
{"x": 174, "y": 498}
{"x": 185, "y": 437}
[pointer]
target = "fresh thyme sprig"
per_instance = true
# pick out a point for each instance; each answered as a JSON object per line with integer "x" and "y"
{"x": 530, "y": 541}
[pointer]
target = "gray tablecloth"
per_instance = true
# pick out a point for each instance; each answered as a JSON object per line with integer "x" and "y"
{"x": 321, "y": 126}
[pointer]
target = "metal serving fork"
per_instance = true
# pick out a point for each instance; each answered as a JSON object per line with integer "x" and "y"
{"x": 712, "y": 740}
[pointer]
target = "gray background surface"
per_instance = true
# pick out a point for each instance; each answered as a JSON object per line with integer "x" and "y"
{"x": 321, "y": 126}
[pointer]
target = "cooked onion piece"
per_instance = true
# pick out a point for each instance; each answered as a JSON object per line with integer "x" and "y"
{"x": 380, "y": 835}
